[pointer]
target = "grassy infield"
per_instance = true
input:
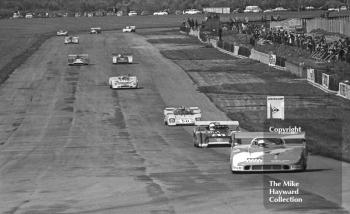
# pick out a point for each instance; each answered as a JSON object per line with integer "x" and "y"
{"x": 325, "y": 118}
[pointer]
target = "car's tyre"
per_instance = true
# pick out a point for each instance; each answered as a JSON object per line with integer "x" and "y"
{"x": 166, "y": 123}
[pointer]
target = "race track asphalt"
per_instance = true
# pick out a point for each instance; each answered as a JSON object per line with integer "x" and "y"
{"x": 69, "y": 144}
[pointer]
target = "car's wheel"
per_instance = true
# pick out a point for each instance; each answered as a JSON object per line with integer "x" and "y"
{"x": 166, "y": 123}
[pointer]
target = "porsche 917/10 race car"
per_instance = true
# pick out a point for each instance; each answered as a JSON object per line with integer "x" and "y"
{"x": 129, "y": 29}
{"x": 214, "y": 133}
{"x": 62, "y": 33}
{"x": 181, "y": 116}
{"x": 71, "y": 40}
{"x": 78, "y": 59}
{"x": 95, "y": 30}
{"x": 122, "y": 58}
{"x": 266, "y": 151}
{"x": 121, "y": 82}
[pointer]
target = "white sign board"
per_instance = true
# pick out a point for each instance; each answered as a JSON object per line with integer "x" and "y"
{"x": 344, "y": 90}
{"x": 310, "y": 74}
{"x": 325, "y": 80}
{"x": 275, "y": 107}
{"x": 272, "y": 59}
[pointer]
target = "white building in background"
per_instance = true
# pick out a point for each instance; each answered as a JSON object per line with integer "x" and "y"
{"x": 223, "y": 10}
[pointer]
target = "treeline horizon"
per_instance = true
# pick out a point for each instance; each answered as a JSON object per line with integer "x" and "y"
{"x": 155, "y": 5}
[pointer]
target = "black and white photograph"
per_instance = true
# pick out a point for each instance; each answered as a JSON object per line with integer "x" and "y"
{"x": 174, "y": 106}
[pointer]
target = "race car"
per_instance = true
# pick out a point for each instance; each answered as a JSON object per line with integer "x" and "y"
{"x": 266, "y": 151}
{"x": 122, "y": 58}
{"x": 78, "y": 59}
{"x": 129, "y": 29}
{"x": 71, "y": 40}
{"x": 181, "y": 116}
{"x": 214, "y": 133}
{"x": 62, "y": 33}
{"x": 95, "y": 30}
{"x": 125, "y": 81}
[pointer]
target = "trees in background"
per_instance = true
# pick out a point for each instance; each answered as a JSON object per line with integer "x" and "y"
{"x": 153, "y": 5}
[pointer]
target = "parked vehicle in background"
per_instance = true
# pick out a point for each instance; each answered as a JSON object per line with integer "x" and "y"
{"x": 309, "y": 8}
{"x": 160, "y": 13}
{"x": 132, "y": 13}
{"x": 29, "y": 16}
{"x": 343, "y": 8}
{"x": 268, "y": 11}
{"x": 333, "y": 9}
{"x": 252, "y": 9}
{"x": 277, "y": 9}
{"x": 191, "y": 11}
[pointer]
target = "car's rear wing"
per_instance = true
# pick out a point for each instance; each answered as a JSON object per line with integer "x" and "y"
{"x": 73, "y": 56}
{"x": 123, "y": 54}
{"x": 251, "y": 135}
{"x": 168, "y": 110}
{"x": 220, "y": 123}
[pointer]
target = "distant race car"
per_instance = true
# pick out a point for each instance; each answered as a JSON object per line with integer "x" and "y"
{"x": 129, "y": 29}
{"x": 266, "y": 151}
{"x": 95, "y": 30}
{"x": 181, "y": 116}
{"x": 78, "y": 59}
{"x": 125, "y": 81}
{"x": 124, "y": 58}
{"x": 71, "y": 40}
{"x": 62, "y": 33}
{"x": 214, "y": 133}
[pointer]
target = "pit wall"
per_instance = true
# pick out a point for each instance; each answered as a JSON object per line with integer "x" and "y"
{"x": 323, "y": 80}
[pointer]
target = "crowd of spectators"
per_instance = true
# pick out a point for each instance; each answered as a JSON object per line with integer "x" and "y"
{"x": 318, "y": 46}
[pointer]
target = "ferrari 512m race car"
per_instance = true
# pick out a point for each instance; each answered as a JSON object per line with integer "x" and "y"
{"x": 71, "y": 40}
{"x": 214, "y": 133}
{"x": 121, "y": 82}
{"x": 78, "y": 59}
{"x": 95, "y": 30}
{"x": 62, "y": 33}
{"x": 129, "y": 29}
{"x": 181, "y": 116}
{"x": 122, "y": 58}
{"x": 266, "y": 151}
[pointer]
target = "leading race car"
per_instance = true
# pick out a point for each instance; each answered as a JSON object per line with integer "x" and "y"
{"x": 125, "y": 58}
{"x": 95, "y": 30}
{"x": 181, "y": 116}
{"x": 214, "y": 133}
{"x": 78, "y": 59}
{"x": 125, "y": 81}
{"x": 62, "y": 33}
{"x": 129, "y": 29}
{"x": 71, "y": 40}
{"x": 266, "y": 151}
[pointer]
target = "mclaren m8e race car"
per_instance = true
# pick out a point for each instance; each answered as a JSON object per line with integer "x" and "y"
{"x": 129, "y": 29}
{"x": 214, "y": 133}
{"x": 266, "y": 151}
{"x": 121, "y": 82}
{"x": 122, "y": 58}
{"x": 62, "y": 33}
{"x": 78, "y": 59}
{"x": 181, "y": 116}
{"x": 71, "y": 40}
{"x": 95, "y": 30}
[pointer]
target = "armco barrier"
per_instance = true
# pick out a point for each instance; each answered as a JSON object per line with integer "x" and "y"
{"x": 330, "y": 81}
{"x": 243, "y": 51}
{"x": 297, "y": 70}
{"x": 280, "y": 61}
{"x": 259, "y": 56}
{"x": 344, "y": 89}
{"x": 318, "y": 76}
